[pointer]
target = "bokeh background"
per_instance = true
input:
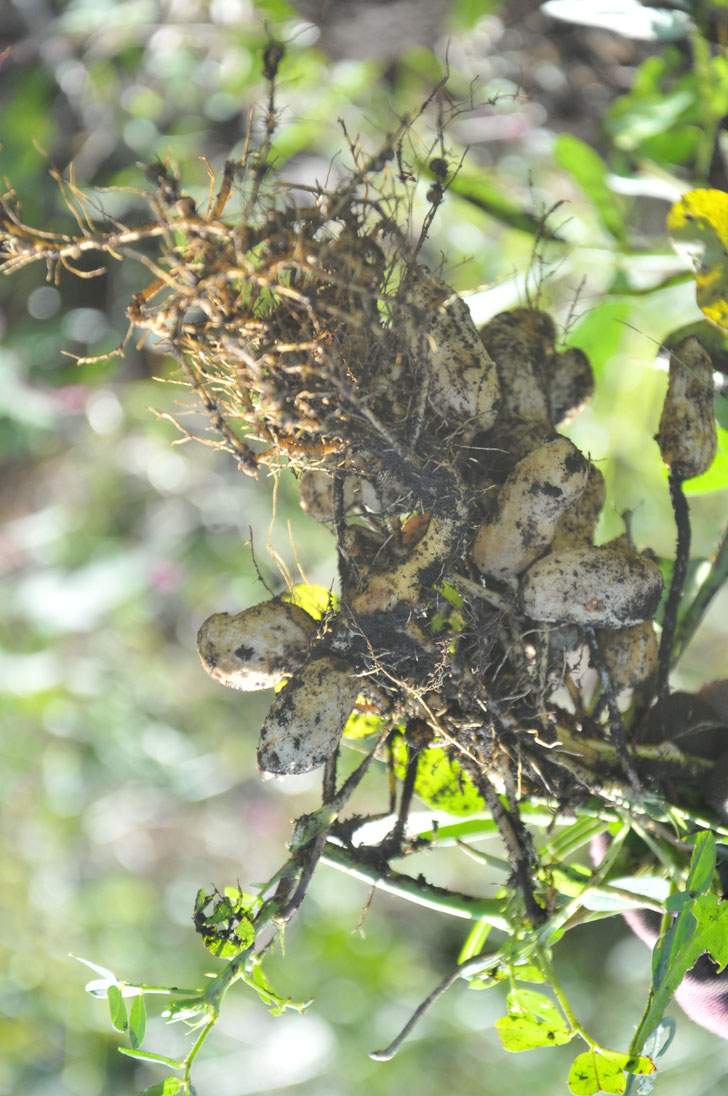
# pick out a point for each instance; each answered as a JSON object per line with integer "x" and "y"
{"x": 128, "y": 777}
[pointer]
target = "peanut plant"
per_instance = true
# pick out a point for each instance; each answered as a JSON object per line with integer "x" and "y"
{"x": 499, "y": 665}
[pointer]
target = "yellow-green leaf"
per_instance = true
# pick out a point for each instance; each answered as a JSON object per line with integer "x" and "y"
{"x": 518, "y": 1033}
{"x": 440, "y": 783}
{"x": 221, "y": 948}
{"x": 698, "y": 226}
{"x": 316, "y": 600}
{"x": 361, "y": 725}
{"x": 245, "y": 931}
{"x": 527, "y": 1002}
{"x": 604, "y": 1071}
{"x": 591, "y": 1073}
{"x": 533, "y": 1020}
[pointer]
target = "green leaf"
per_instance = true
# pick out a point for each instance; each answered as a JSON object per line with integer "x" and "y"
{"x": 590, "y": 172}
{"x": 631, "y": 121}
{"x": 518, "y": 1033}
{"x": 604, "y": 1071}
{"x": 525, "y": 1001}
{"x": 527, "y": 972}
{"x": 590, "y": 1073}
{"x": 138, "y": 1022}
{"x": 219, "y": 946}
{"x": 701, "y": 926}
{"x": 241, "y": 899}
{"x": 363, "y": 725}
{"x": 532, "y": 1021}
{"x": 228, "y": 928}
{"x": 450, "y": 594}
{"x": 147, "y": 1056}
{"x": 702, "y": 864}
{"x": 441, "y": 783}
{"x": 167, "y": 1087}
{"x": 117, "y": 1009}
{"x": 315, "y": 600}
{"x": 245, "y": 931}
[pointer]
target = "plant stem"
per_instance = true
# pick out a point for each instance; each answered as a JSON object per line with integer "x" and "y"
{"x": 548, "y": 972}
{"x": 492, "y": 910}
{"x": 197, "y": 1047}
{"x": 669, "y": 617}
{"x": 690, "y": 621}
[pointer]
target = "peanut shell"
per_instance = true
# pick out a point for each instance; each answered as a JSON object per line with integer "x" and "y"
{"x": 520, "y": 353}
{"x": 570, "y": 385}
{"x": 533, "y": 498}
{"x": 304, "y": 726}
{"x": 687, "y": 434}
{"x": 630, "y": 654}
{"x": 257, "y": 648}
{"x": 578, "y": 523}
{"x": 463, "y": 382}
{"x": 603, "y": 587}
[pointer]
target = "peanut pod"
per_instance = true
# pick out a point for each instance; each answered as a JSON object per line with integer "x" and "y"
{"x": 304, "y": 726}
{"x": 533, "y": 498}
{"x": 570, "y": 385}
{"x": 520, "y": 343}
{"x": 578, "y": 523}
{"x": 687, "y": 434}
{"x": 257, "y": 648}
{"x": 630, "y": 654}
{"x": 463, "y": 382}
{"x": 603, "y": 587}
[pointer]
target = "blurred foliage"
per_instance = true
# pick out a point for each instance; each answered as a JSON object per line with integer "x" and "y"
{"x": 124, "y": 789}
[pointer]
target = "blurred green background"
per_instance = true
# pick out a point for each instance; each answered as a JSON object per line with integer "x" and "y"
{"x": 128, "y": 776}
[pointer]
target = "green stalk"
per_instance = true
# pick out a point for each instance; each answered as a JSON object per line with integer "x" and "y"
{"x": 492, "y": 910}
{"x": 690, "y": 620}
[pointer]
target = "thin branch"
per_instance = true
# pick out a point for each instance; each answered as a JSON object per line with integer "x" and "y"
{"x": 389, "y": 1052}
{"x": 515, "y": 838}
{"x": 694, "y": 614}
{"x": 419, "y": 891}
{"x": 682, "y": 556}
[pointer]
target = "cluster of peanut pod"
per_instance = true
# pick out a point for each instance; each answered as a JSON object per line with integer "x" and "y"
{"x": 514, "y": 520}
